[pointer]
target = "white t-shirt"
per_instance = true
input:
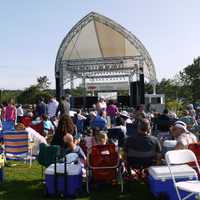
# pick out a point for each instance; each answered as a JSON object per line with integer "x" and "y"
{"x": 52, "y": 108}
{"x": 20, "y": 111}
{"x": 186, "y": 138}
{"x": 102, "y": 105}
{"x": 36, "y": 138}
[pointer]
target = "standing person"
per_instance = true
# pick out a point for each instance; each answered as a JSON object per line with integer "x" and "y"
{"x": 100, "y": 121}
{"x": 41, "y": 108}
{"x": 9, "y": 113}
{"x": 80, "y": 122}
{"x": 63, "y": 107}
{"x": 112, "y": 111}
{"x": 52, "y": 107}
{"x": 101, "y": 104}
{"x": 20, "y": 113}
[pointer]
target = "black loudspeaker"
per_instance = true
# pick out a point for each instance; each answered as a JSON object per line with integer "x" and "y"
{"x": 141, "y": 89}
{"x": 58, "y": 89}
{"x": 134, "y": 93}
{"x": 123, "y": 100}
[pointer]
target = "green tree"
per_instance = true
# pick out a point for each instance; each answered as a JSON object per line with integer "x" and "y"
{"x": 190, "y": 79}
{"x": 43, "y": 82}
{"x": 29, "y": 95}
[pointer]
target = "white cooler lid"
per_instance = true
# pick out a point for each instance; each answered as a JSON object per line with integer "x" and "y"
{"x": 170, "y": 143}
{"x": 72, "y": 169}
{"x": 179, "y": 171}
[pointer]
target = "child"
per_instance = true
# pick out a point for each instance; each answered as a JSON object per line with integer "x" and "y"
{"x": 48, "y": 126}
{"x": 72, "y": 147}
{"x": 102, "y": 138}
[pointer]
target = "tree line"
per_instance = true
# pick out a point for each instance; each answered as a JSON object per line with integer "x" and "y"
{"x": 182, "y": 89}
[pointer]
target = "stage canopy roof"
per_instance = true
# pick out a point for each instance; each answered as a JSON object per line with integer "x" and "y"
{"x": 99, "y": 47}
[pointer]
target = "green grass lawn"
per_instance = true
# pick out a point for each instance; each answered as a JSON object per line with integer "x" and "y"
{"x": 24, "y": 183}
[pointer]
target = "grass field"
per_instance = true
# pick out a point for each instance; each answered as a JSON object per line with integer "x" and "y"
{"x": 24, "y": 183}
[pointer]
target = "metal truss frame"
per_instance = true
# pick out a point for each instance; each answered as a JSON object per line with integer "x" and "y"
{"x": 67, "y": 70}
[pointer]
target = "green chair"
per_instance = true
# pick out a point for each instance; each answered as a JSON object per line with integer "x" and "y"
{"x": 48, "y": 154}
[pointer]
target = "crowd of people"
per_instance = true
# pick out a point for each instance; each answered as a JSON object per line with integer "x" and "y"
{"x": 144, "y": 137}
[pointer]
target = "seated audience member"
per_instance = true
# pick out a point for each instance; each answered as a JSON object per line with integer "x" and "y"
{"x": 182, "y": 135}
{"x": 90, "y": 140}
{"x": 47, "y": 125}
{"x": 27, "y": 119}
{"x": 65, "y": 125}
{"x": 33, "y": 137}
{"x": 98, "y": 137}
{"x": 142, "y": 149}
{"x": 102, "y": 138}
{"x": 120, "y": 123}
{"x": 72, "y": 146}
{"x": 163, "y": 123}
{"x": 188, "y": 119}
{"x": 124, "y": 115}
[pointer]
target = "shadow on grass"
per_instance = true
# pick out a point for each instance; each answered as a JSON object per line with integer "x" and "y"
{"x": 132, "y": 191}
{"x": 30, "y": 190}
{"x": 24, "y": 183}
{"x": 21, "y": 190}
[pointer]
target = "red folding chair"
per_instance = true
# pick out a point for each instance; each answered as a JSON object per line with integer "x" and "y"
{"x": 103, "y": 165}
{"x": 195, "y": 148}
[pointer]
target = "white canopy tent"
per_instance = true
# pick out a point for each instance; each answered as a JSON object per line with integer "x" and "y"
{"x": 97, "y": 48}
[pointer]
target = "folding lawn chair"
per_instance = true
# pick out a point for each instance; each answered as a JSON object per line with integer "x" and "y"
{"x": 195, "y": 148}
{"x": 17, "y": 146}
{"x": 177, "y": 157}
{"x": 48, "y": 154}
{"x": 103, "y": 165}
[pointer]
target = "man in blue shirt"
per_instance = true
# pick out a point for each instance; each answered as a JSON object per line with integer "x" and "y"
{"x": 100, "y": 121}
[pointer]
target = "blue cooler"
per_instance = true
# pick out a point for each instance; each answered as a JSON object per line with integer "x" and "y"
{"x": 73, "y": 179}
{"x": 160, "y": 180}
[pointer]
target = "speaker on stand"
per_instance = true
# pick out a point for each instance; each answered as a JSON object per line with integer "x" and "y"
{"x": 134, "y": 93}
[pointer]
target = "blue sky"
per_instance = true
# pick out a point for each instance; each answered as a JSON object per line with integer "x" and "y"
{"x": 31, "y": 32}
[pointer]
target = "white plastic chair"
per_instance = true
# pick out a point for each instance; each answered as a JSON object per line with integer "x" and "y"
{"x": 177, "y": 157}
